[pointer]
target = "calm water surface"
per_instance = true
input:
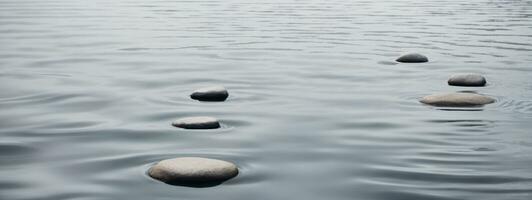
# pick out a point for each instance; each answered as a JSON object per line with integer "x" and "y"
{"x": 317, "y": 107}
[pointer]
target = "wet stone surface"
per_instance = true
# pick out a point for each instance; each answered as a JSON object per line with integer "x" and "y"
{"x": 193, "y": 171}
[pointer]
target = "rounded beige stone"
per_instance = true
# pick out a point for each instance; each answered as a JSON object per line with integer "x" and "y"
{"x": 193, "y": 170}
{"x": 457, "y": 100}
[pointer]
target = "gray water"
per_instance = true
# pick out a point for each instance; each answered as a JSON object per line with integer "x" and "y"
{"x": 317, "y": 107}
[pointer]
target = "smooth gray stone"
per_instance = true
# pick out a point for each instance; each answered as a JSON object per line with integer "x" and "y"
{"x": 197, "y": 123}
{"x": 213, "y": 93}
{"x": 412, "y": 58}
{"x": 192, "y": 171}
{"x": 471, "y": 80}
{"x": 457, "y": 100}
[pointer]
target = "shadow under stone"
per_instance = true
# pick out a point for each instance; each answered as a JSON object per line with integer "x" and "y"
{"x": 195, "y": 184}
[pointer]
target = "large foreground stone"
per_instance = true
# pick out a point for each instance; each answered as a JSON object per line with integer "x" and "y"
{"x": 457, "y": 100}
{"x": 412, "y": 58}
{"x": 197, "y": 123}
{"x": 214, "y": 93}
{"x": 192, "y": 171}
{"x": 471, "y": 80}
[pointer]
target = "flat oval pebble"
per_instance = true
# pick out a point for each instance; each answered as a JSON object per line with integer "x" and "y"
{"x": 457, "y": 100}
{"x": 193, "y": 170}
{"x": 213, "y": 93}
{"x": 197, "y": 123}
{"x": 471, "y": 80}
{"x": 412, "y": 58}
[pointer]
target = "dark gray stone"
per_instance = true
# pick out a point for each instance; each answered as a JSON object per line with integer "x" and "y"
{"x": 457, "y": 100}
{"x": 192, "y": 171}
{"x": 412, "y": 58}
{"x": 197, "y": 123}
{"x": 470, "y": 80}
{"x": 214, "y": 93}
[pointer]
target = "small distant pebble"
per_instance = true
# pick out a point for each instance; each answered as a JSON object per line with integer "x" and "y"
{"x": 471, "y": 80}
{"x": 214, "y": 93}
{"x": 197, "y": 123}
{"x": 457, "y": 100}
{"x": 412, "y": 58}
{"x": 193, "y": 170}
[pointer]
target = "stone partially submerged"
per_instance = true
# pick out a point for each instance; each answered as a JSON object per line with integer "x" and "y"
{"x": 412, "y": 58}
{"x": 470, "y": 80}
{"x": 193, "y": 171}
{"x": 213, "y": 93}
{"x": 457, "y": 100}
{"x": 197, "y": 123}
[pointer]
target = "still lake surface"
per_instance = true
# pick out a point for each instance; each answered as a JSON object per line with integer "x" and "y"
{"x": 317, "y": 107}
